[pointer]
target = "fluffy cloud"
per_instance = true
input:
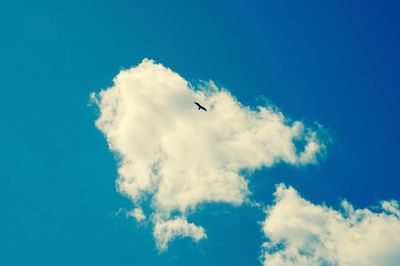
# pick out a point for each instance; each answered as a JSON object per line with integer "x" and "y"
{"x": 302, "y": 233}
{"x": 138, "y": 214}
{"x": 165, "y": 231}
{"x": 175, "y": 157}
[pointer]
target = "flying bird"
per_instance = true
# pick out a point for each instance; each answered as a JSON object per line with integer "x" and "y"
{"x": 200, "y": 107}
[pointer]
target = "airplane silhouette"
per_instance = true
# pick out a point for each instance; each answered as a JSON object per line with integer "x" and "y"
{"x": 200, "y": 107}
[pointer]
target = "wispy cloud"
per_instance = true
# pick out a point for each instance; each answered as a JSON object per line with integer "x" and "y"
{"x": 176, "y": 157}
{"x": 302, "y": 233}
{"x": 165, "y": 231}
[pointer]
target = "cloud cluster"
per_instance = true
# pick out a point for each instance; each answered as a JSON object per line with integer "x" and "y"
{"x": 302, "y": 233}
{"x": 176, "y": 157}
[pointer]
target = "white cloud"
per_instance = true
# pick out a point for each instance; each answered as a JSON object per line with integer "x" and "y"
{"x": 138, "y": 214}
{"x": 177, "y": 157}
{"x": 165, "y": 231}
{"x": 302, "y": 233}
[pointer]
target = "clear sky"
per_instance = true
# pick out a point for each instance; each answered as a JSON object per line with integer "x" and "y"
{"x": 333, "y": 62}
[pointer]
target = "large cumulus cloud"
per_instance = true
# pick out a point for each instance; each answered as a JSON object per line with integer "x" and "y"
{"x": 175, "y": 157}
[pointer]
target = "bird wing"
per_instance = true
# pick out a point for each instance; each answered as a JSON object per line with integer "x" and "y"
{"x": 200, "y": 106}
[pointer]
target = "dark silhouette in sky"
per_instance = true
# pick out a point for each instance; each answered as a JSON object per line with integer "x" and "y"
{"x": 200, "y": 107}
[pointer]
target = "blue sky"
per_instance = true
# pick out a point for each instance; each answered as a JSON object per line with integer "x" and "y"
{"x": 335, "y": 62}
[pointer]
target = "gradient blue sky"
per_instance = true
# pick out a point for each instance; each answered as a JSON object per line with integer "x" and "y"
{"x": 335, "y": 62}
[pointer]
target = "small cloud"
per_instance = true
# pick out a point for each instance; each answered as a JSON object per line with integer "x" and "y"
{"x": 165, "y": 231}
{"x": 302, "y": 233}
{"x": 138, "y": 214}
